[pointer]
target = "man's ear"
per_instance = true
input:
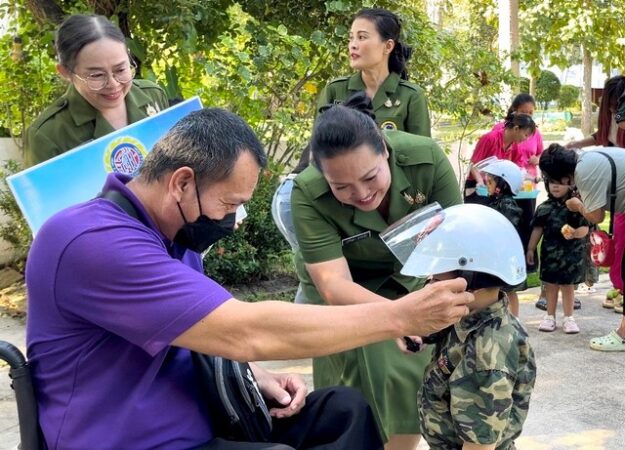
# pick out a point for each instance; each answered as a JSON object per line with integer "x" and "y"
{"x": 181, "y": 183}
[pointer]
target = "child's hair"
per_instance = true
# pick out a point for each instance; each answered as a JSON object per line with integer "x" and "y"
{"x": 523, "y": 121}
{"x": 557, "y": 162}
{"x": 519, "y": 100}
{"x": 501, "y": 186}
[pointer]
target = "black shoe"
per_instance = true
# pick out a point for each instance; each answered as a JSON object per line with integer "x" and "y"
{"x": 577, "y": 304}
{"x": 542, "y": 303}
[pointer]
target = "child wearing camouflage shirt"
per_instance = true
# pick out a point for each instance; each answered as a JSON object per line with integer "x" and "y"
{"x": 477, "y": 387}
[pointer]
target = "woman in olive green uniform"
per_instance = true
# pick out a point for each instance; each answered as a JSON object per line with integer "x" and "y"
{"x": 362, "y": 181}
{"x": 380, "y": 59}
{"x": 102, "y": 95}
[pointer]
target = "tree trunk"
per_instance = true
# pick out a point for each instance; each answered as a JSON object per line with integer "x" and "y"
{"x": 509, "y": 41}
{"x": 532, "y": 86}
{"x": 45, "y": 11}
{"x": 587, "y": 92}
{"x": 514, "y": 36}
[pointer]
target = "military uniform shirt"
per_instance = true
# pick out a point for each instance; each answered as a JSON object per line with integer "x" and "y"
{"x": 326, "y": 229}
{"x": 71, "y": 120}
{"x": 478, "y": 385}
{"x": 398, "y": 104}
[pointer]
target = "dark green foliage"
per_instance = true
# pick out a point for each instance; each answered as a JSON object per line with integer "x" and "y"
{"x": 569, "y": 96}
{"x": 547, "y": 88}
{"x": 15, "y": 231}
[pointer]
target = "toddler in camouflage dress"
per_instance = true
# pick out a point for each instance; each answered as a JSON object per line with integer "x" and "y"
{"x": 477, "y": 387}
{"x": 562, "y": 252}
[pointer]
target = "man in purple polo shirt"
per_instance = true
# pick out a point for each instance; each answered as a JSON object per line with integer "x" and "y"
{"x": 116, "y": 301}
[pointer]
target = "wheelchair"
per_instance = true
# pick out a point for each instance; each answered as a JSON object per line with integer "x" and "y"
{"x": 21, "y": 382}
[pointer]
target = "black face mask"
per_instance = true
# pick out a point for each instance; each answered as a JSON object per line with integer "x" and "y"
{"x": 204, "y": 232}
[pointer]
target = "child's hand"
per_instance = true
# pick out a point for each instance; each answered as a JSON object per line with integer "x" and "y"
{"x": 568, "y": 232}
{"x": 529, "y": 257}
{"x": 410, "y": 344}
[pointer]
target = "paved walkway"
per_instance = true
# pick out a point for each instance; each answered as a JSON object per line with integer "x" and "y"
{"x": 578, "y": 402}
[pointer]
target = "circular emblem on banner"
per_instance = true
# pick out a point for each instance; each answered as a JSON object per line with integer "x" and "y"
{"x": 124, "y": 155}
{"x": 388, "y": 125}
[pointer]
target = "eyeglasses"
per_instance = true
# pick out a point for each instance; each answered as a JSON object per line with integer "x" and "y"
{"x": 97, "y": 81}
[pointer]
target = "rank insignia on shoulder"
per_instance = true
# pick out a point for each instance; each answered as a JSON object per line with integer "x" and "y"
{"x": 388, "y": 103}
{"x": 151, "y": 110}
{"x": 388, "y": 125}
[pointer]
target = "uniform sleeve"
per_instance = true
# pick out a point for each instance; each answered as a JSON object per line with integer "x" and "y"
{"x": 418, "y": 120}
{"x": 480, "y": 405}
{"x": 162, "y": 100}
{"x": 318, "y": 239}
{"x": 446, "y": 190}
{"x": 325, "y": 97}
{"x": 38, "y": 147}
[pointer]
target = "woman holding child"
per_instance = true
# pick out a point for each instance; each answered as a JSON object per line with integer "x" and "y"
{"x": 364, "y": 179}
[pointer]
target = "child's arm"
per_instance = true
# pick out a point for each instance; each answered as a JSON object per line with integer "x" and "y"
{"x": 577, "y": 233}
{"x": 471, "y": 446}
{"x": 537, "y": 233}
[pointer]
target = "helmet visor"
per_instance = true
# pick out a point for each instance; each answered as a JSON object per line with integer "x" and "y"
{"x": 403, "y": 236}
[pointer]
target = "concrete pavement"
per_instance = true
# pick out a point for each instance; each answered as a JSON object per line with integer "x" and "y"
{"x": 578, "y": 402}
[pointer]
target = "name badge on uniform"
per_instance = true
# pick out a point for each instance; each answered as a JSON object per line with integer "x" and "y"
{"x": 355, "y": 238}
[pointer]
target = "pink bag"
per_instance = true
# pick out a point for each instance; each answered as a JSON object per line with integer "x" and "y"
{"x": 601, "y": 248}
{"x": 601, "y": 243}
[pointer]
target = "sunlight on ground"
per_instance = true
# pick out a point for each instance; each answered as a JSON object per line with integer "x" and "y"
{"x": 584, "y": 440}
{"x": 596, "y": 439}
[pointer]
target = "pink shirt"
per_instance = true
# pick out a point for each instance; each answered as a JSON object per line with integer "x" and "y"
{"x": 491, "y": 144}
{"x": 523, "y": 151}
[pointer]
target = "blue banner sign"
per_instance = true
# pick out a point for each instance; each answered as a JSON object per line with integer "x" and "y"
{"x": 78, "y": 175}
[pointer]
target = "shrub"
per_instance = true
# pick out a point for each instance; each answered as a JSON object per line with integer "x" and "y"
{"x": 569, "y": 96}
{"x": 547, "y": 88}
{"x": 15, "y": 231}
{"x": 257, "y": 248}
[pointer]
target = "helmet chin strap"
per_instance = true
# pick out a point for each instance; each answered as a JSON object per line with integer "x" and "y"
{"x": 479, "y": 280}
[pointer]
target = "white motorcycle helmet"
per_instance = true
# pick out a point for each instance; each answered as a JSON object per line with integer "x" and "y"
{"x": 468, "y": 238}
{"x": 507, "y": 170}
{"x": 281, "y": 211}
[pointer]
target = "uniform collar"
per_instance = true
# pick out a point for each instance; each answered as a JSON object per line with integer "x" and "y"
{"x": 476, "y": 320}
{"x": 82, "y": 111}
{"x": 387, "y": 88}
